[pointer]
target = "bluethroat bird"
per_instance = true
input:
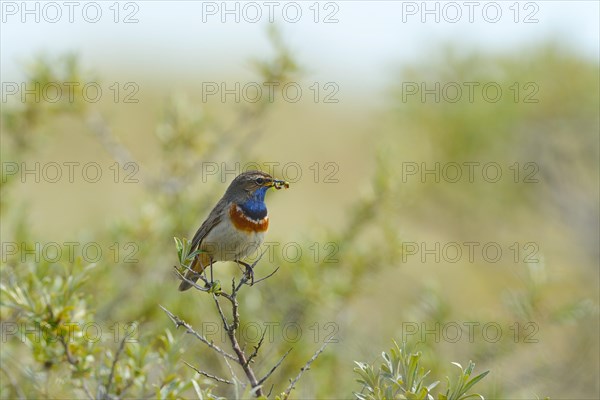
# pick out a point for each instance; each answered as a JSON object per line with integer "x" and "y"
{"x": 236, "y": 226}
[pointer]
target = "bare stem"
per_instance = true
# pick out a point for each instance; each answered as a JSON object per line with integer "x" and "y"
{"x": 231, "y": 329}
{"x": 306, "y": 367}
{"x": 264, "y": 378}
{"x": 257, "y": 347}
{"x": 71, "y": 360}
{"x": 193, "y": 283}
{"x": 114, "y": 364}
{"x": 210, "y": 376}
{"x": 231, "y": 325}
{"x": 178, "y": 322}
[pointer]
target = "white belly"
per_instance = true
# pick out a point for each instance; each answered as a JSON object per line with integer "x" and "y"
{"x": 225, "y": 243}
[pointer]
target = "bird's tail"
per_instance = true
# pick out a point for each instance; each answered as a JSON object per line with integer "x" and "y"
{"x": 201, "y": 261}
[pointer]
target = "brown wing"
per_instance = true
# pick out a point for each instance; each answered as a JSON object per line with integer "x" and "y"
{"x": 202, "y": 260}
{"x": 213, "y": 219}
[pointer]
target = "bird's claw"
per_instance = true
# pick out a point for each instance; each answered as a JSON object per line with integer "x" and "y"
{"x": 250, "y": 274}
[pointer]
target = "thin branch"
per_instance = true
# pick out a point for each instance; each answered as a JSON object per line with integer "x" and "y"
{"x": 201, "y": 275}
{"x": 87, "y": 391}
{"x": 306, "y": 367}
{"x": 267, "y": 277}
{"x": 244, "y": 279}
{"x": 264, "y": 378}
{"x": 221, "y": 313}
{"x": 178, "y": 322}
{"x": 72, "y": 360}
{"x": 114, "y": 363}
{"x": 232, "y": 372}
{"x": 249, "y": 275}
{"x": 257, "y": 347}
{"x": 270, "y": 390}
{"x": 206, "y": 374}
{"x": 193, "y": 283}
{"x": 231, "y": 329}
{"x": 235, "y": 313}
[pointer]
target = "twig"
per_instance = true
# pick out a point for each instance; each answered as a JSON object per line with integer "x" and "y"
{"x": 235, "y": 313}
{"x": 231, "y": 371}
{"x": 87, "y": 391}
{"x": 231, "y": 329}
{"x": 201, "y": 275}
{"x": 194, "y": 284}
{"x": 178, "y": 322}
{"x": 221, "y": 313}
{"x": 73, "y": 361}
{"x": 114, "y": 363}
{"x": 303, "y": 369}
{"x": 257, "y": 347}
{"x": 206, "y": 374}
{"x": 244, "y": 279}
{"x": 264, "y": 378}
{"x": 231, "y": 326}
{"x": 267, "y": 277}
{"x": 250, "y": 268}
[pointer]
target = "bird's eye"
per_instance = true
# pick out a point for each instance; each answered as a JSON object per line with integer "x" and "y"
{"x": 260, "y": 181}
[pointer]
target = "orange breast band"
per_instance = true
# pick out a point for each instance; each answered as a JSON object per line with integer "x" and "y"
{"x": 245, "y": 223}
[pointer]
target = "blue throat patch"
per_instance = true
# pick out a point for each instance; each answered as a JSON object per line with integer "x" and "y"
{"x": 255, "y": 206}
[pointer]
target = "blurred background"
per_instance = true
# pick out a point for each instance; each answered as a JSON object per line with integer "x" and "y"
{"x": 443, "y": 160}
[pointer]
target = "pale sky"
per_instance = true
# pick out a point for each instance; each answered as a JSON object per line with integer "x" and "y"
{"x": 368, "y": 39}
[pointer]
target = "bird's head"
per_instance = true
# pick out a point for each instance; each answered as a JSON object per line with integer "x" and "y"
{"x": 252, "y": 183}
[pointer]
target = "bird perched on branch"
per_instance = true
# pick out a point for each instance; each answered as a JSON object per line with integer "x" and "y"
{"x": 236, "y": 225}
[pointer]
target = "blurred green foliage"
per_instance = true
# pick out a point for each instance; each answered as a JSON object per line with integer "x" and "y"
{"x": 61, "y": 339}
{"x": 401, "y": 377}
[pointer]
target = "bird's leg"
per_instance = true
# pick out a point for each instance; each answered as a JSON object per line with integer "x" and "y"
{"x": 249, "y": 271}
{"x": 213, "y": 286}
{"x": 203, "y": 276}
